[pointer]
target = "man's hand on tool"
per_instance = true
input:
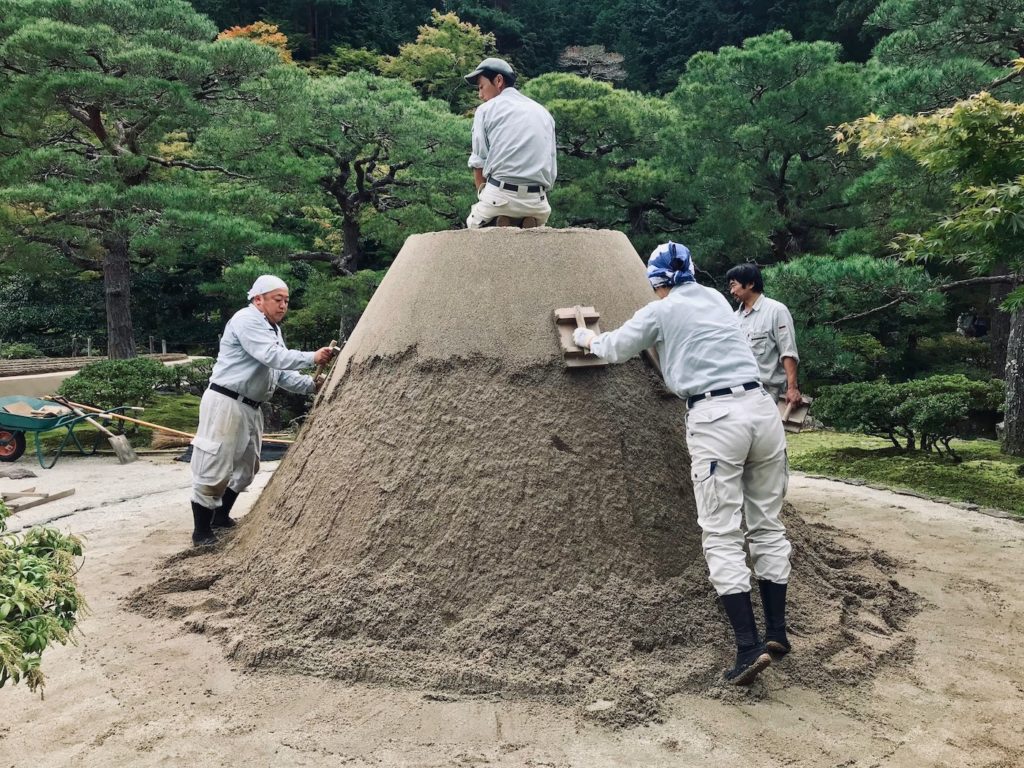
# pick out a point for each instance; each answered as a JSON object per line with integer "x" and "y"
{"x": 323, "y": 355}
{"x": 582, "y": 337}
{"x": 318, "y": 382}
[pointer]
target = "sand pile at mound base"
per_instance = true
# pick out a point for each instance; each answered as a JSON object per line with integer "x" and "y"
{"x": 463, "y": 513}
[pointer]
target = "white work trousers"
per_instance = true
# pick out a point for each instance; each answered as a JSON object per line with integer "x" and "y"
{"x": 226, "y": 448}
{"x": 494, "y": 201}
{"x": 738, "y": 460}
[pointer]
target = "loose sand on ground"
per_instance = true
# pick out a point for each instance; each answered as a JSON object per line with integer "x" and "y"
{"x": 139, "y": 691}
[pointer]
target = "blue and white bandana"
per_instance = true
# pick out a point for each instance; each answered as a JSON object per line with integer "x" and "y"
{"x": 670, "y": 264}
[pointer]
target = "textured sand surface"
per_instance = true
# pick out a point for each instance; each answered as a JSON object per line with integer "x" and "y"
{"x": 144, "y": 692}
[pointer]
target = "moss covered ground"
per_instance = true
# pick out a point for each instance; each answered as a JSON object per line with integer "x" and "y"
{"x": 985, "y": 476}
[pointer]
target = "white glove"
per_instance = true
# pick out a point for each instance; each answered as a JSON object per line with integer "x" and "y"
{"x": 582, "y": 337}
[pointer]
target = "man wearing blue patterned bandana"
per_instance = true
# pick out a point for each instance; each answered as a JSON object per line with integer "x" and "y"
{"x": 735, "y": 438}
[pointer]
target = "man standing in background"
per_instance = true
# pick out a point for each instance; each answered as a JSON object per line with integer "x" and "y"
{"x": 513, "y": 155}
{"x": 769, "y": 329}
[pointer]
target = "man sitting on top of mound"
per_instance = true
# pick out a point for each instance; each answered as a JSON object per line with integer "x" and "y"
{"x": 735, "y": 438}
{"x": 513, "y": 158}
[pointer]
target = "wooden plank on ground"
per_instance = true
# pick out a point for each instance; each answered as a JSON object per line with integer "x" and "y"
{"x": 33, "y": 499}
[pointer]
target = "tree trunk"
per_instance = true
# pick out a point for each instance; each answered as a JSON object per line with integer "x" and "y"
{"x": 1013, "y": 437}
{"x": 117, "y": 290}
{"x": 998, "y": 324}
{"x": 351, "y": 249}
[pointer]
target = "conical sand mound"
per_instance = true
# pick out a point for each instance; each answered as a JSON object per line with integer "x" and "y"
{"x": 464, "y": 512}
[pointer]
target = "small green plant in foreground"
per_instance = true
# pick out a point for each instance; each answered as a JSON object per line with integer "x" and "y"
{"x": 985, "y": 476}
{"x": 39, "y": 598}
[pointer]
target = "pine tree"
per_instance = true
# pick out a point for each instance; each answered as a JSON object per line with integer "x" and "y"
{"x": 102, "y": 106}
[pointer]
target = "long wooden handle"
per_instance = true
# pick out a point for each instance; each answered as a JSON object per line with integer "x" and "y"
{"x": 157, "y": 427}
{"x": 95, "y": 423}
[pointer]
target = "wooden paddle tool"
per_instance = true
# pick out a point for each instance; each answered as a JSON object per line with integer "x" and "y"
{"x": 793, "y": 416}
{"x": 568, "y": 319}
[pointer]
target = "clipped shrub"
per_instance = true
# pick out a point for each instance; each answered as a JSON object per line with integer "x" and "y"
{"x": 187, "y": 378}
{"x": 39, "y": 598}
{"x": 19, "y": 351}
{"x": 112, "y": 383}
{"x": 924, "y": 414}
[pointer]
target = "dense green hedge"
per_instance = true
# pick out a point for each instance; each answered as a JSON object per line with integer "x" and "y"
{"x": 113, "y": 383}
{"x": 920, "y": 414}
{"x": 18, "y": 351}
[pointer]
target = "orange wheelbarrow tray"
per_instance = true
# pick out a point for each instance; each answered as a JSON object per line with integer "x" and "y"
{"x": 15, "y": 426}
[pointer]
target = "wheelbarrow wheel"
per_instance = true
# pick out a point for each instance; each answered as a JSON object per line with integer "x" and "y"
{"x": 12, "y": 445}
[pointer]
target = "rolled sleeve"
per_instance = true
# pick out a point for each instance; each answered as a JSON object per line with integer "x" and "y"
{"x": 785, "y": 335}
{"x": 478, "y": 156}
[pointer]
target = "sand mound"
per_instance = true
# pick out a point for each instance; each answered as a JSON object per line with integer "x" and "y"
{"x": 464, "y": 513}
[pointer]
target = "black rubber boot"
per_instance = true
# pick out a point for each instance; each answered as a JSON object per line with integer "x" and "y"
{"x": 751, "y": 655}
{"x": 220, "y": 517}
{"x": 773, "y": 597}
{"x": 203, "y": 534}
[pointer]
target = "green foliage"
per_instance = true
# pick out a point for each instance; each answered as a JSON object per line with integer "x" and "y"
{"x": 179, "y": 412}
{"x": 18, "y": 351}
{"x": 191, "y": 377}
{"x": 234, "y": 282}
{"x": 751, "y": 138}
{"x": 936, "y": 53}
{"x": 825, "y": 295}
{"x": 607, "y": 142}
{"x": 923, "y": 413}
{"x": 953, "y": 353}
{"x": 46, "y": 311}
{"x": 343, "y": 59}
{"x": 361, "y": 161}
{"x": 331, "y": 308}
{"x": 978, "y": 145}
{"x": 435, "y": 65}
{"x": 104, "y": 102}
{"x": 113, "y": 383}
{"x": 39, "y": 598}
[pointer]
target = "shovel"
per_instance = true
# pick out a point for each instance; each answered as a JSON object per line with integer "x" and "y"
{"x": 122, "y": 448}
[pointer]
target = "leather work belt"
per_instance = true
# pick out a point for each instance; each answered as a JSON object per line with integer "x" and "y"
{"x": 692, "y": 401}
{"x": 234, "y": 395}
{"x": 515, "y": 187}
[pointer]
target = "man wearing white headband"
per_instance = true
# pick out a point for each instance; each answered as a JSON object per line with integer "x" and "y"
{"x": 251, "y": 363}
{"x": 736, "y": 442}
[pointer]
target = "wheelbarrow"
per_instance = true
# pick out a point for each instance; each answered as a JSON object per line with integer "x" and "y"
{"x": 22, "y": 415}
